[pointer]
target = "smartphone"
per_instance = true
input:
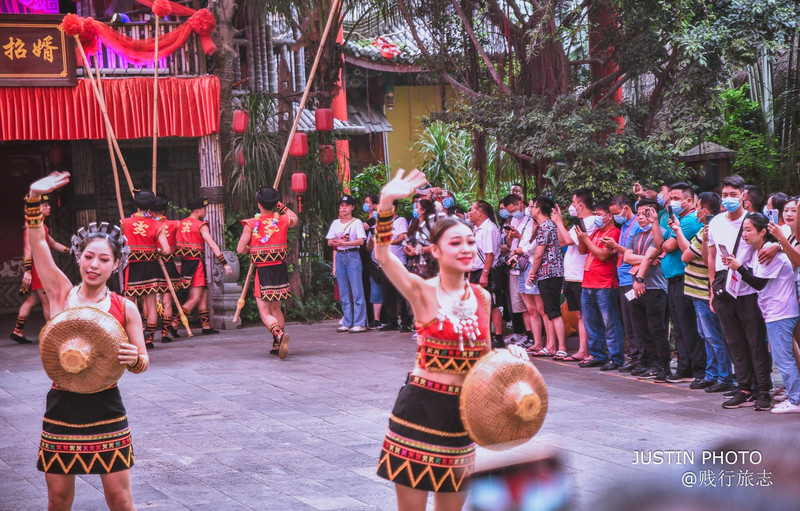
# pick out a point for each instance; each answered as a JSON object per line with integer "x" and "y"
{"x": 708, "y": 218}
{"x": 630, "y": 295}
{"x": 673, "y": 217}
{"x": 723, "y": 250}
{"x": 507, "y": 227}
{"x": 580, "y": 225}
{"x": 772, "y": 214}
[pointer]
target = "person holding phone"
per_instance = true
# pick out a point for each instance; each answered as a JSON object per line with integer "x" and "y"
{"x": 345, "y": 235}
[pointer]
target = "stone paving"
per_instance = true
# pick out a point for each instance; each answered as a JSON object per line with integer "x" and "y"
{"x": 220, "y": 425}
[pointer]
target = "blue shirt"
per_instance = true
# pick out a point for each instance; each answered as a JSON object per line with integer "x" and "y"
{"x": 671, "y": 264}
{"x": 626, "y": 232}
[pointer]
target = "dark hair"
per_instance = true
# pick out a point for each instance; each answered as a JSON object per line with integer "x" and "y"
{"x": 585, "y": 196}
{"x": 373, "y": 198}
{"x": 511, "y": 199}
{"x": 779, "y": 201}
{"x": 760, "y": 222}
{"x": 710, "y": 201}
{"x": 621, "y": 201}
{"x": 686, "y": 188}
{"x": 428, "y": 209}
{"x": 603, "y": 204}
{"x": 443, "y": 225}
{"x": 755, "y": 196}
{"x": 734, "y": 181}
{"x": 647, "y": 202}
{"x": 485, "y": 208}
{"x": 113, "y": 243}
{"x": 545, "y": 204}
{"x": 516, "y": 184}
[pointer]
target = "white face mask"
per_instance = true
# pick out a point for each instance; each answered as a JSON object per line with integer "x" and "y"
{"x": 573, "y": 211}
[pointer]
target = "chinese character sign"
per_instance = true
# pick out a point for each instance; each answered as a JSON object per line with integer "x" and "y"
{"x": 34, "y": 51}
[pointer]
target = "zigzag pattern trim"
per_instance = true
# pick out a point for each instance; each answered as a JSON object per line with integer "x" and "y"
{"x": 87, "y": 467}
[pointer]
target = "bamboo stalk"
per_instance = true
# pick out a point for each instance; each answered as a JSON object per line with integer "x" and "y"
{"x": 110, "y": 146}
{"x": 102, "y": 103}
{"x": 240, "y": 302}
{"x": 184, "y": 319}
{"x": 155, "y": 108}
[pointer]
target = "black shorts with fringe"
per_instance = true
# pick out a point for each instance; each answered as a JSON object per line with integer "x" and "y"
{"x": 193, "y": 273}
{"x": 426, "y": 446}
{"x": 143, "y": 278}
{"x": 272, "y": 283}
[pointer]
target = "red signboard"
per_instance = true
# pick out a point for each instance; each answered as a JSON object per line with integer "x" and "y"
{"x": 34, "y": 51}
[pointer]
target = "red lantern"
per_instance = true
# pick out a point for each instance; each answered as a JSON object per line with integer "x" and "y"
{"x": 240, "y": 120}
{"x": 299, "y": 147}
{"x": 323, "y": 118}
{"x": 299, "y": 185}
{"x": 327, "y": 155}
{"x": 55, "y": 154}
{"x": 239, "y": 158}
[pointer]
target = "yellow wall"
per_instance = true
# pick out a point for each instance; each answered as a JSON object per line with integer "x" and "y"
{"x": 411, "y": 105}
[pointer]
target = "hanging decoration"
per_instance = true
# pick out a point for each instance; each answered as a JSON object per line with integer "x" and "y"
{"x": 299, "y": 147}
{"x": 323, "y": 119}
{"x": 240, "y": 120}
{"x": 299, "y": 186}
{"x": 327, "y": 154}
{"x": 388, "y": 50}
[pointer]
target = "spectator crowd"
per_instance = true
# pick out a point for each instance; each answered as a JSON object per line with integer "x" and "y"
{"x": 709, "y": 277}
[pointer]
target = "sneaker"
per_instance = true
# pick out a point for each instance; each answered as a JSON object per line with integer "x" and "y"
{"x": 375, "y": 324}
{"x": 165, "y": 339}
{"x": 785, "y": 407}
{"x": 343, "y": 329}
{"x": 780, "y": 395}
{"x": 700, "y": 383}
{"x": 639, "y": 370}
{"x": 21, "y": 339}
{"x": 662, "y": 375}
{"x": 387, "y": 327}
{"x": 405, "y": 329}
{"x": 358, "y": 329}
{"x": 740, "y": 400}
{"x": 676, "y": 378}
{"x": 648, "y": 374}
{"x": 763, "y": 401}
{"x": 628, "y": 366}
{"x": 731, "y": 392}
{"x": 721, "y": 387}
{"x": 526, "y": 344}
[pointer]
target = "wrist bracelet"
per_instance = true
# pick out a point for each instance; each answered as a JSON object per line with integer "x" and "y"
{"x": 27, "y": 264}
{"x": 33, "y": 212}
{"x": 221, "y": 259}
{"x": 281, "y": 208}
{"x": 139, "y": 365}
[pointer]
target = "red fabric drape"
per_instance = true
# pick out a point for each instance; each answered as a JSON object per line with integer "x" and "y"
{"x": 187, "y": 107}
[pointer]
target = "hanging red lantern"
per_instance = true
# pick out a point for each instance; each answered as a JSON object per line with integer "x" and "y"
{"x": 239, "y": 158}
{"x": 240, "y": 120}
{"x": 299, "y": 147}
{"x": 327, "y": 154}
{"x": 55, "y": 154}
{"x": 323, "y": 119}
{"x": 299, "y": 185}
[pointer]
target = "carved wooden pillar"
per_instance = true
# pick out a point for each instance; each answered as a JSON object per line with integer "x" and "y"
{"x": 83, "y": 179}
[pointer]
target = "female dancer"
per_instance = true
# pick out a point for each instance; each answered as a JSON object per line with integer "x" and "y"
{"x": 426, "y": 447}
{"x": 86, "y": 433}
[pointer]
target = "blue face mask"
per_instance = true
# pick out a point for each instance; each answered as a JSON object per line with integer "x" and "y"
{"x": 676, "y": 207}
{"x": 518, "y": 214}
{"x": 619, "y": 219}
{"x": 365, "y": 207}
{"x": 731, "y": 204}
{"x": 415, "y": 213}
{"x": 528, "y": 212}
{"x": 661, "y": 199}
{"x": 375, "y": 215}
{"x": 646, "y": 227}
{"x": 598, "y": 222}
{"x": 504, "y": 214}
{"x": 448, "y": 202}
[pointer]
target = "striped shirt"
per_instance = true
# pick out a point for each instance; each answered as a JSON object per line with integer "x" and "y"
{"x": 696, "y": 281}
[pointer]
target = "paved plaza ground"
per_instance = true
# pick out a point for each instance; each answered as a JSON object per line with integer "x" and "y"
{"x": 220, "y": 425}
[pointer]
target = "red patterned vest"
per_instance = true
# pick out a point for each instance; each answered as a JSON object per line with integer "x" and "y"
{"x": 142, "y": 235}
{"x": 190, "y": 243}
{"x": 272, "y": 251}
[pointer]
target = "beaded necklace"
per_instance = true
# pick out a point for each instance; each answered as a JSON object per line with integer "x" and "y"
{"x": 270, "y": 227}
{"x": 460, "y": 309}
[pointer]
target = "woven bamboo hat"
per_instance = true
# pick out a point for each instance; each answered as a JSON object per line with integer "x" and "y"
{"x": 503, "y": 401}
{"x": 79, "y": 348}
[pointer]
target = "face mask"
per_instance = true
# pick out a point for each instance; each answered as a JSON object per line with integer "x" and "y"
{"x": 504, "y": 214}
{"x": 646, "y": 227}
{"x": 619, "y": 219}
{"x": 365, "y": 207}
{"x": 518, "y": 214}
{"x": 572, "y": 210}
{"x": 375, "y": 215}
{"x": 415, "y": 213}
{"x": 731, "y": 204}
{"x": 636, "y": 206}
{"x": 598, "y": 222}
{"x": 448, "y": 202}
{"x": 676, "y": 207}
{"x": 528, "y": 212}
{"x": 661, "y": 200}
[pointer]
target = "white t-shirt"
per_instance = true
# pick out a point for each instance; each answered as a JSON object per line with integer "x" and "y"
{"x": 778, "y": 300}
{"x": 574, "y": 261}
{"x": 487, "y": 239}
{"x": 722, "y": 231}
{"x": 399, "y": 226}
{"x": 353, "y": 228}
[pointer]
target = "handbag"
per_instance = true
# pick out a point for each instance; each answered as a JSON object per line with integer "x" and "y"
{"x": 721, "y": 277}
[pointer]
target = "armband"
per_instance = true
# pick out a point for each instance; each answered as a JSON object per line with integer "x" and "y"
{"x": 140, "y": 365}
{"x": 27, "y": 264}
{"x": 33, "y": 212}
{"x": 281, "y": 208}
{"x": 383, "y": 227}
{"x": 221, "y": 259}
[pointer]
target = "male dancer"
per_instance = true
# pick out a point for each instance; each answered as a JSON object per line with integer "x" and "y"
{"x": 170, "y": 231}
{"x": 193, "y": 233}
{"x": 30, "y": 280}
{"x": 264, "y": 237}
{"x": 143, "y": 277}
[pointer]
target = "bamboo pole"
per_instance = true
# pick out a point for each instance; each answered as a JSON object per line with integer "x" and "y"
{"x": 110, "y": 146}
{"x": 334, "y": 11}
{"x": 155, "y": 107}
{"x": 102, "y": 103}
{"x": 184, "y": 319}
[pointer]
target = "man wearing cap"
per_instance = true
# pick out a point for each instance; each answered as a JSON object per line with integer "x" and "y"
{"x": 30, "y": 279}
{"x": 264, "y": 237}
{"x": 143, "y": 276}
{"x": 193, "y": 233}
{"x": 170, "y": 231}
{"x": 345, "y": 235}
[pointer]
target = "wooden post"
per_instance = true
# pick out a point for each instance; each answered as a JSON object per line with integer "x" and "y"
{"x": 110, "y": 146}
{"x": 155, "y": 107}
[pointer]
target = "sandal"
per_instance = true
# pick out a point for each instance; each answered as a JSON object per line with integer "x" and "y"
{"x": 542, "y": 353}
{"x": 570, "y": 358}
{"x": 560, "y": 355}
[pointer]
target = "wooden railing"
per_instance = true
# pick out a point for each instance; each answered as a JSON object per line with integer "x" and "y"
{"x": 189, "y": 60}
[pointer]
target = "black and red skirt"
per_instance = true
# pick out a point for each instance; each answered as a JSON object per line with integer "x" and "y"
{"x": 426, "y": 446}
{"x": 193, "y": 273}
{"x": 85, "y": 433}
{"x": 143, "y": 278}
{"x": 272, "y": 282}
